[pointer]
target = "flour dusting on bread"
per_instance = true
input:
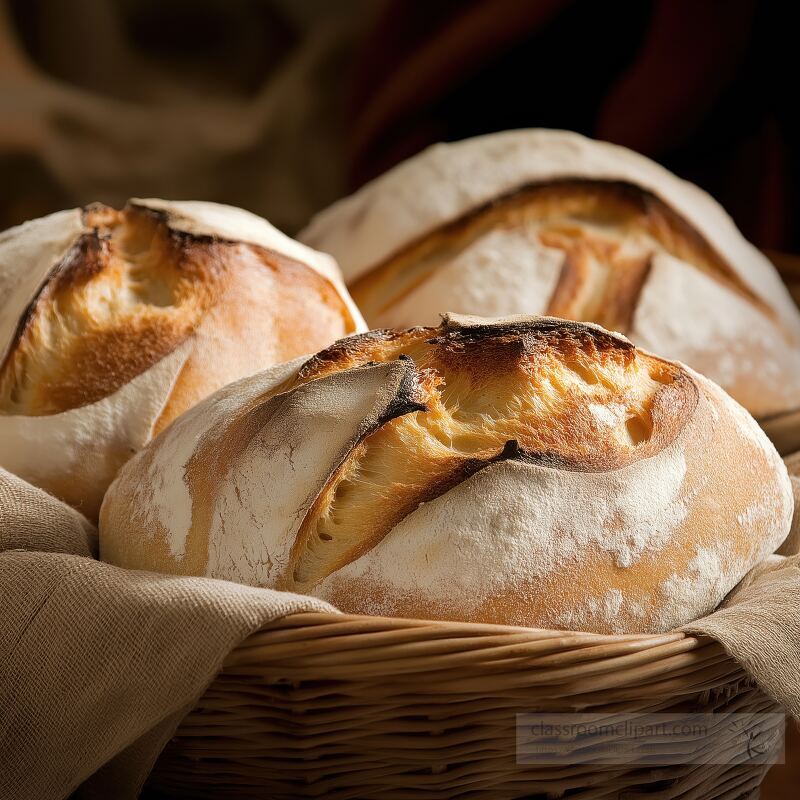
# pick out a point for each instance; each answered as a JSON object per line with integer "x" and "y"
{"x": 540, "y": 221}
{"x": 528, "y": 471}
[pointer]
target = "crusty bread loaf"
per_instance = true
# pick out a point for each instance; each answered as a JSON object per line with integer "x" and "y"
{"x": 549, "y": 222}
{"x": 112, "y": 323}
{"x": 531, "y": 471}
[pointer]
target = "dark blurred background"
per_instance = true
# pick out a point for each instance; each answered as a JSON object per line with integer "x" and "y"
{"x": 281, "y": 106}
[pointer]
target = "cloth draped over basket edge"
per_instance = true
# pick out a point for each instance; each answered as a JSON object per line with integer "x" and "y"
{"x": 99, "y": 665}
{"x": 759, "y": 622}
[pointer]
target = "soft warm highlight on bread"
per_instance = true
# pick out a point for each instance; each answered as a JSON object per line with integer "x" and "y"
{"x": 524, "y": 470}
{"x": 572, "y": 397}
{"x": 118, "y": 304}
{"x": 115, "y": 322}
{"x": 128, "y": 294}
{"x": 607, "y": 230}
{"x": 548, "y": 222}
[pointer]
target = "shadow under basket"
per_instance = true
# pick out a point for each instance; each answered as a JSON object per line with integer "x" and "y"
{"x": 343, "y": 706}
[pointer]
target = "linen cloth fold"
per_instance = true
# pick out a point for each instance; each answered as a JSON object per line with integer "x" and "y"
{"x": 99, "y": 665}
{"x": 759, "y": 622}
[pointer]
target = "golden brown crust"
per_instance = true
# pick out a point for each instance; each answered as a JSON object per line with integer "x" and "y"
{"x": 522, "y": 471}
{"x": 268, "y": 309}
{"x": 616, "y": 208}
{"x": 522, "y": 390}
{"x": 612, "y": 305}
{"x": 718, "y": 528}
{"x": 132, "y": 290}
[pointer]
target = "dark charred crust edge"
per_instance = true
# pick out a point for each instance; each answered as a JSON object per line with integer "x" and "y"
{"x": 26, "y": 318}
{"x": 549, "y": 460}
{"x": 343, "y": 349}
{"x": 184, "y": 240}
{"x": 82, "y": 259}
{"x": 511, "y": 452}
{"x": 458, "y": 329}
{"x": 469, "y": 332}
{"x": 630, "y": 192}
{"x": 406, "y": 399}
{"x": 165, "y": 218}
{"x": 644, "y": 199}
{"x": 162, "y": 217}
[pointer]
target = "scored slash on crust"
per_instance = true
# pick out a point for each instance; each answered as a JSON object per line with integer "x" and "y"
{"x": 127, "y": 293}
{"x": 510, "y": 470}
{"x": 602, "y": 271}
{"x": 475, "y": 394}
{"x": 550, "y": 222}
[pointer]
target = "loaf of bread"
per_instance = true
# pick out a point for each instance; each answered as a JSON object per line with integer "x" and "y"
{"x": 530, "y": 471}
{"x": 112, "y": 323}
{"x": 548, "y": 222}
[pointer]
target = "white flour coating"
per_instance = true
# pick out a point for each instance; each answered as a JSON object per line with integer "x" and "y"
{"x": 74, "y": 467}
{"x": 685, "y": 315}
{"x": 538, "y": 519}
{"x": 650, "y": 515}
{"x": 610, "y": 415}
{"x": 700, "y": 588}
{"x": 609, "y": 610}
{"x": 28, "y": 254}
{"x": 608, "y": 606}
{"x": 746, "y": 426}
{"x": 448, "y": 180}
{"x": 201, "y": 218}
{"x": 274, "y": 482}
{"x": 165, "y": 497}
{"x": 296, "y": 440}
{"x": 770, "y": 507}
{"x": 523, "y": 275}
{"x": 763, "y": 509}
{"x": 712, "y": 574}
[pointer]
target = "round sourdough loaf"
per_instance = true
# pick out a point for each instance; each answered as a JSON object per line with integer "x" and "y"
{"x": 531, "y": 471}
{"x": 112, "y": 323}
{"x": 549, "y": 222}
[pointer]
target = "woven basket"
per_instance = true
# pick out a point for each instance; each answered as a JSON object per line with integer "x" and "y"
{"x": 340, "y": 706}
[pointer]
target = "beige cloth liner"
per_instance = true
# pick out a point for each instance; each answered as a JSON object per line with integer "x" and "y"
{"x": 99, "y": 665}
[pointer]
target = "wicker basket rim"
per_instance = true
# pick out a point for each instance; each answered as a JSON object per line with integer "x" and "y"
{"x": 357, "y": 626}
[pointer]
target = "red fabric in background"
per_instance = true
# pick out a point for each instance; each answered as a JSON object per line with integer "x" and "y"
{"x": 708, "y": 89}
